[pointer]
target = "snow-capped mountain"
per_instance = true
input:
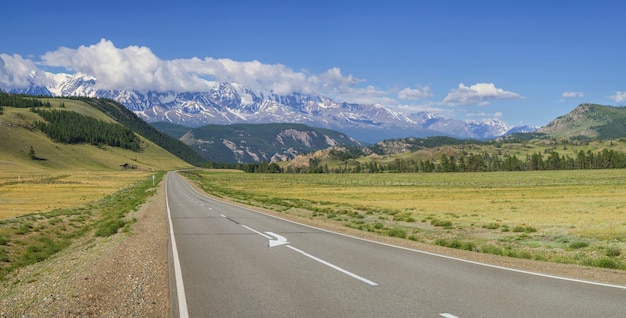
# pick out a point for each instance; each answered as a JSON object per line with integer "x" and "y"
{"x": 522, "y": 129}
{"x": 230, "y": 103}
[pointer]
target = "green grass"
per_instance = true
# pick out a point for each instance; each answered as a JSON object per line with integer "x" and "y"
{"x": 18, "y": 135}
{"x": 32, "y": 238}
{"x": 557, "y": 216}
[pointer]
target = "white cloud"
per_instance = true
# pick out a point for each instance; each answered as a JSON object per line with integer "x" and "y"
{"x": 15, "y": 72}
{"x": 133, "y": 67}
{"x": 486, "y": 116}
{"x": 137, "y": 67}
{"x": 573, "y": 94}
{"x": 415, "y": 93}
{"x": 619, "y": 96}
{"x": 477, "y": 94}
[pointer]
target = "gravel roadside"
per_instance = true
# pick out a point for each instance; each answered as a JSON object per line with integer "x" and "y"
{"x": 126, "y": 275}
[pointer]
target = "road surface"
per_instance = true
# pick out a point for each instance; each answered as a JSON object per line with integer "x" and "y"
{"x": 229, "y": 261}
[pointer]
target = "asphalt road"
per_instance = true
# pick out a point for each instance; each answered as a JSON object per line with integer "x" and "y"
{"x": 229, "y": 261}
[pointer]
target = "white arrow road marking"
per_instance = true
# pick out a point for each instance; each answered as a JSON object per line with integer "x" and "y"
{"x": 280, "y": 240}
{"x": 448, "y": 315}
{"x": 277, "y": 240}
{"x": 274, "y": 239}
{"x": 257, "y": 232}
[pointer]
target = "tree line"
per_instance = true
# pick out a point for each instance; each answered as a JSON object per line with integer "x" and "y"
{"x": 482, "y": 162}
{"x": 19, "y": 101}
{"x": 461, "y": 162}
{"x": 73, "y": 128}
{"x": 258, "y": 167}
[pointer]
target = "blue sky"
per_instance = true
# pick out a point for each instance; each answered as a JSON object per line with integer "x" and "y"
{"x": 524, "y": 62}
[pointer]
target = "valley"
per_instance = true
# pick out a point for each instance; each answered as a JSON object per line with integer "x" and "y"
{"x": 61, "y": 198}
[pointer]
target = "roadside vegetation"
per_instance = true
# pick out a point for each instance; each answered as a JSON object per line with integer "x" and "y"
{"x": 34, "y": 237}
{"x": 574, "y": 217}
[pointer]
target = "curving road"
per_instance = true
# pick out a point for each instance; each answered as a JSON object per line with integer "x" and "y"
{"x": 230, "y": 261}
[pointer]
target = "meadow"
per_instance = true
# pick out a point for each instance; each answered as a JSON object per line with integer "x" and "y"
{"x": 42, "y": 213}
{"x": 573, "y": 217}
{"x": 27, "y": 192}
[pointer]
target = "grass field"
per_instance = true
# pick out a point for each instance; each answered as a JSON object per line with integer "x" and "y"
{"x": 561, "y": 216}
{"x": 78, "y": 190}
{"x": 41, "y": 191}
{"x": 69, "y": 207}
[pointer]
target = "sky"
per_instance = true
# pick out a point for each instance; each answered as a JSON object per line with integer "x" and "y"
{"x": 523, "y": 62}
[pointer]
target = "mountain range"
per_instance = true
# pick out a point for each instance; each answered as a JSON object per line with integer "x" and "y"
{"x": 230, "y": 103}
{"x": 246, "y": 143}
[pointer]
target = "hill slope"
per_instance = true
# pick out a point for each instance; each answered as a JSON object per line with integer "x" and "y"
{"x": 589, "y": 121}
{"x": 247, "y": 143}
{"x": 18, "y": 134}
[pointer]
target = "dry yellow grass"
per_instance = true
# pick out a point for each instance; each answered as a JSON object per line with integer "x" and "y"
{"x": 574, "y": 217}
{"x": 557, "y": 202}
{"x": 33, "y": 191}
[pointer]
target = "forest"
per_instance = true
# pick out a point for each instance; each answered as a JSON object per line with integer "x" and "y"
{"x": 20, "y": 101}
{"x": 73, "y": 128}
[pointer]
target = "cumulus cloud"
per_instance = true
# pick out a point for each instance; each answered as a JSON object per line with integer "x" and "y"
{"x": 137, "y": 67}
{"x": 133, "y": 67}
{"x": 477, "y": 94}
{"x": 619, "y": 96}
{"x": 17, "y": 72}
{"x": 415, "y": 93}
{"x": 573, "y": 94}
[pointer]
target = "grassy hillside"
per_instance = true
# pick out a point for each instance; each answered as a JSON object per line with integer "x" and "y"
{"x": 18, "y": 135}
{"x": 589, "y": 121}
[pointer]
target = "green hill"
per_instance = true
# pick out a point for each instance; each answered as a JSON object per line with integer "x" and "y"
{"x": 174, "y": 130}
{"x": 23, "y": 144}
{"x": 589, "y": 121}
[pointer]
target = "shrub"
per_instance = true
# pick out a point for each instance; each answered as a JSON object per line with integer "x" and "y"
{"x": 613, "y": 251}
{"x": 443, "y": 223}
{"x": 40, "y": 252}
{"x": 490, "y": 249}
{"x": 525, "y": 229}
{"x": 607, "y": 262}
{"x": 491, "y": 226}
{"x": 110, "y": 227}
{"x": 396, "y": 232}
{"x": 24, "y": 228}
{"x": 578, "y": 244}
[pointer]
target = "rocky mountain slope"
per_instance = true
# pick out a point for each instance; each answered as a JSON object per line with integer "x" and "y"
{"x": 247, "y": 143}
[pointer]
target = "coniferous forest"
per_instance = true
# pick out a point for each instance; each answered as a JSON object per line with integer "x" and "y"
{"x": 73, "y": 128}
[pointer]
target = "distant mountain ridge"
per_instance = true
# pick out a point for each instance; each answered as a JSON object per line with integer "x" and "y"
{"x": 248, "y": 143}
{"x": 230, "y": 103}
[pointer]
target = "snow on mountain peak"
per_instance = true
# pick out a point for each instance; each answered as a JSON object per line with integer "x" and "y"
{"x": 229, "y": 103}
